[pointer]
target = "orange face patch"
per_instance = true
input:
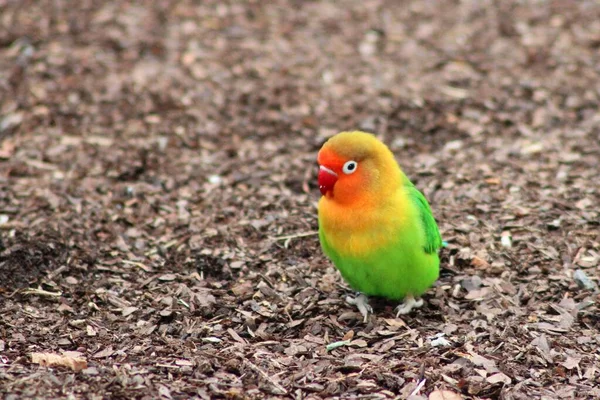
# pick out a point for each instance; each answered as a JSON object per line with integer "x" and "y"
{"x": 340, "y": 178}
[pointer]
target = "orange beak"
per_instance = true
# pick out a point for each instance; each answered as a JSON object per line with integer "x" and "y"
{"x": 327, "y": 179}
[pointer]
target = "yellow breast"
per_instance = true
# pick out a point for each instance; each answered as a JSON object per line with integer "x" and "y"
{"x": 359, "y": 229}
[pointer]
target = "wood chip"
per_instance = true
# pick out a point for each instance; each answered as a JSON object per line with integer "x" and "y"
{"x": 72, "y": 360}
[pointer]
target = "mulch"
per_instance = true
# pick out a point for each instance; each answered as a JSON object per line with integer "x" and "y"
{"x": 158, "y": 197}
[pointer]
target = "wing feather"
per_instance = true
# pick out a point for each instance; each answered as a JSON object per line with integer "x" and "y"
{"x": 433, "y": 239}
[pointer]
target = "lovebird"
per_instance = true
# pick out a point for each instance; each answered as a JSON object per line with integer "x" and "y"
{"x": 374, "y": 224}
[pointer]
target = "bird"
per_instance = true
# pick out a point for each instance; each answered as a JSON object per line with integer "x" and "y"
{"x": 374, "y": 224}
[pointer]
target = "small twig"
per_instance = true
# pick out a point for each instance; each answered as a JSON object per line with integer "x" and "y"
{"x": 266, "y": 377}
{"x": 168, "y": 366}
{"x": 41, "y": 292}
{"x": 455, "y": 92}
{"x": 8, "y": 296}
{"x": 335, "y": 345}
{"x": 295, "y": 235}
{"x": 186, "y": 305}
{"x": 418, "y": 388}
{"x": 288, "y": 238}
{"x": 138, "y": 264}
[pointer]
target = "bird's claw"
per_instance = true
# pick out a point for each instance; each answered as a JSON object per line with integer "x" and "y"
{"x": 407, "y": 306}
{"x": 362, "y": 303}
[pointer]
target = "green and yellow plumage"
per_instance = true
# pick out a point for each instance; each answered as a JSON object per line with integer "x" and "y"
{"x": 374, "y": 224}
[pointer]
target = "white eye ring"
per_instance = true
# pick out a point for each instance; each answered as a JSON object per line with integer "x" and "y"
{"x": 349, "y": 167}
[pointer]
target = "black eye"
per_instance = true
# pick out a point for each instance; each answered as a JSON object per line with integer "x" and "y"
{"x": 349, "y": 167}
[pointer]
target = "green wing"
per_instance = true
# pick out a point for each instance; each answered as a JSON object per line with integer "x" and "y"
{"x": 433, "y": 239}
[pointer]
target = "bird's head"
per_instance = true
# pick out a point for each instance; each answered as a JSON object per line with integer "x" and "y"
{"x": 354, "y": 164}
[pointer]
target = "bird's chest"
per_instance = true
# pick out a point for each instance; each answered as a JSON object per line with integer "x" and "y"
{"x": 357, "y": 233}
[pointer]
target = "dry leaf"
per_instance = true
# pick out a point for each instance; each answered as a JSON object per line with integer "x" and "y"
{"x": 497, "y": 378}
{"x": 293, "y": 324}
{"x": 70, "y": 359}
{"x": 107, "y": 352}
{"x": 478, "y": 294}
{"x": 236, "y": 337}
{"x": 348, "y": 335}
{"x": 395, "y": 323}
{"x": 479, "y": 262}
{"x": 480, "y": 361}
{"x": 167, "y": 277}
{"x": 543, "y": 347}
{"x": 571, "y": 362}
{"x": 127, "y": 311}
{"x": 243, "y": 289}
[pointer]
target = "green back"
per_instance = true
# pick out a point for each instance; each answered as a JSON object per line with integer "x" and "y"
{"x": 433, "y": 239}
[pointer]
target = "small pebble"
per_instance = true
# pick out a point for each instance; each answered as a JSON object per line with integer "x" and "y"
{"x": 506, "y": 239}
{"x": 214, "y": 179}
{"x": 583, "y": 281}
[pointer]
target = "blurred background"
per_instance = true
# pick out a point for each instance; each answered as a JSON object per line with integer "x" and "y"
{"x": 158, "y": 171}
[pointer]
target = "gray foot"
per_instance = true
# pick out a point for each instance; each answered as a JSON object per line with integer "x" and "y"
{"x": 407, "y": 305}
{"x": 362, "y": 303}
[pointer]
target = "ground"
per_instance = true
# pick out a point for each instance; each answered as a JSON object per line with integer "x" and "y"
{"x": 158, "y": 197}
